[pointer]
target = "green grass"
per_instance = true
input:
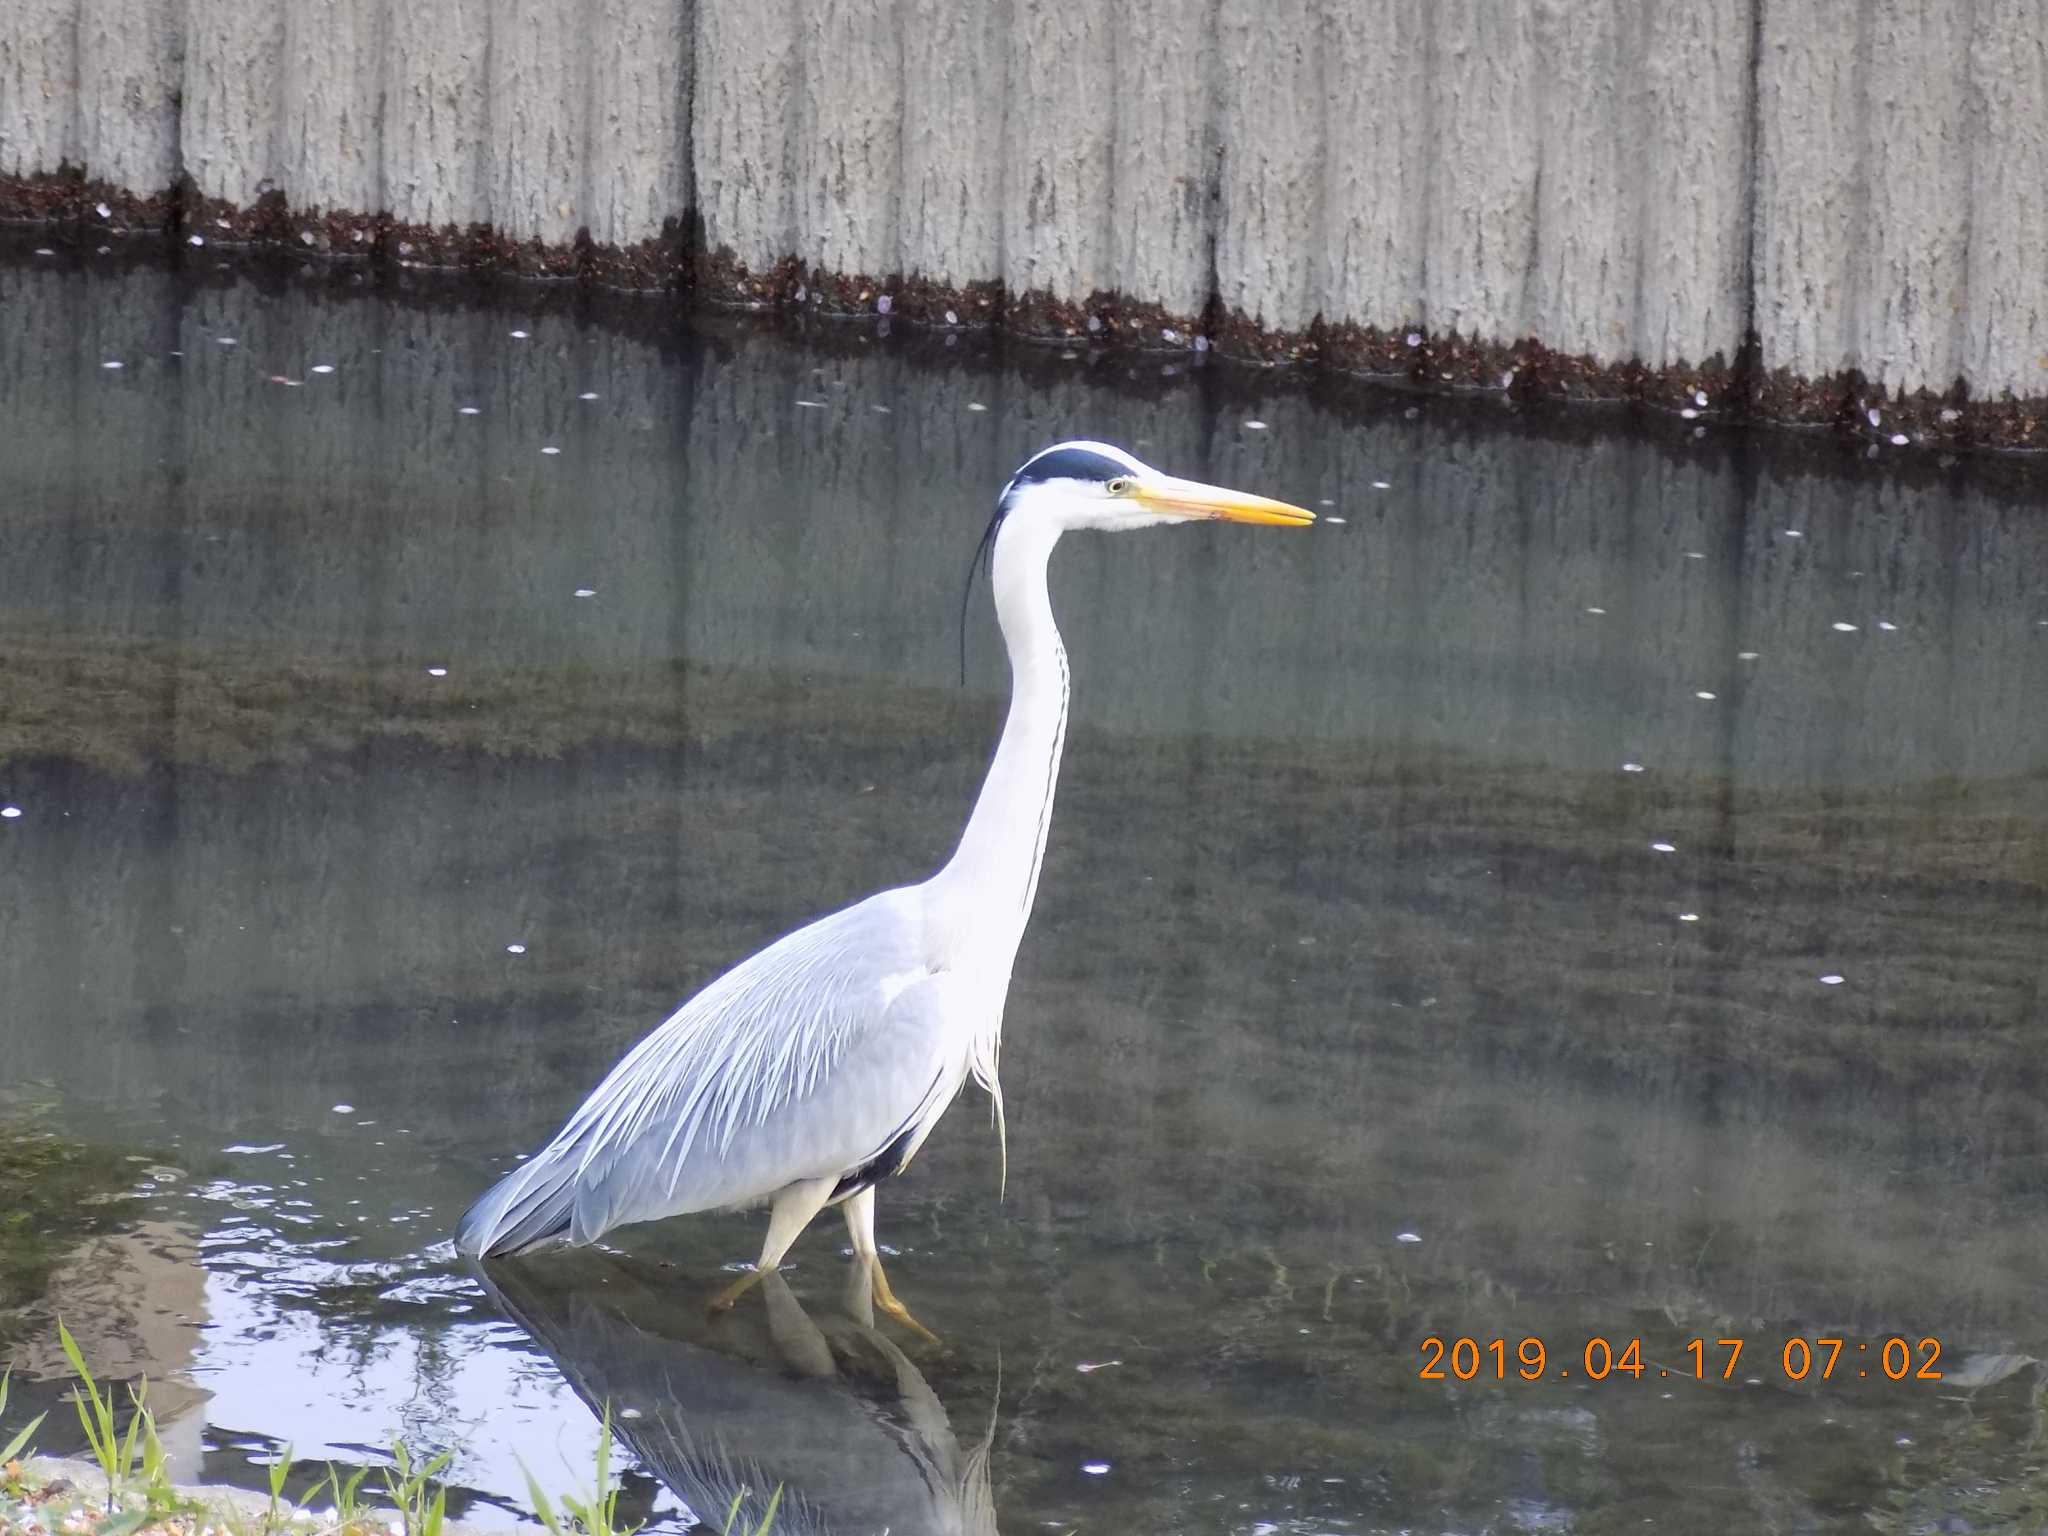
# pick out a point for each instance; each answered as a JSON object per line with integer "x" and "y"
{"x": 139, "y": 1497}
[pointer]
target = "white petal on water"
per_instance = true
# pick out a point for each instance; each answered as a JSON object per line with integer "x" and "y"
{"x": 1631, "y": 767}
{"x": 1201, "y": 343}
{"x": 1334, "y": 522}
{"x": 113, "y": 363}
{"x": 1794, "y": 533}
{"x": 1951, "y": 417}
{"x": 1168, "y": 333}
{"x": 1699, "y": 397}
{"x": 1747, "y": 655}
{"x": 551, "y": 450}
{"x": 1415, "y": 338}
{"x": 588, "y": 394}
{"x": 469, "y": 410}
{"x": 1382, "y": 485}
{"x": 952, "y": 317}
{"x": 1688, "y": 917}
{"x": 1831, "y": 980}
{"x": 197, "y": 240}
{"x": 1094, "y": 323}
{"x": 976, "y": 405}
{"x": 1085, "y": 1367}
{"x": 1843, "y": 628}
{"x": 812, "y": 405}
{"x": 1255, "y": 426}
{"x": 517, "y": 335}
{"x": 1407, "y": 1237}
{"x": 103, "y": 210}
{"x": 1689, "y": 414}
{"x": 44, "y": 250}
{"x": 10, "y": 812}
{"x": 515, "y": 949}
{"x": 1703, "y": 693}
{"x": 883, "y": 304}
{"x": 344, "y": 1109}
{"x": 586, "y": 592}
{"x": 1693, "y": 554}
{"x": 1095, "y": 1468}
{"x": 1326, "y": 502}
{"x": 1887, "y": 625}
{"x": 323, "y": 368}
{"x": 1874, "y": 417}
{"x": 437, "y": 671}
{"x": 1899, "y": 439}
{"x": 1663, "y": 848}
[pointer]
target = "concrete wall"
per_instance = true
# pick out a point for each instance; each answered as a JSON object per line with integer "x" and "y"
{"x": 1621, "y": 179}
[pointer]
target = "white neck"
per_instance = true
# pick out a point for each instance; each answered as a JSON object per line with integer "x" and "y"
{"x": 983, "y": 896}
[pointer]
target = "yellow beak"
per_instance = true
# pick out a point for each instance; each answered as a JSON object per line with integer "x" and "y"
{"x": 1191, "y": 498}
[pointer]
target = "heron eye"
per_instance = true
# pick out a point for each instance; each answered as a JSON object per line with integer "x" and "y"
{"x": 1122, "y": 485}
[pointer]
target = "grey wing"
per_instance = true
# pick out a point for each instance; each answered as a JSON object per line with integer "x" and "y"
{"x": 806, "y": 1061}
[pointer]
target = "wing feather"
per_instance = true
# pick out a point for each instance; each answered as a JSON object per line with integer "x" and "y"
{"x": 804, "y": 1061}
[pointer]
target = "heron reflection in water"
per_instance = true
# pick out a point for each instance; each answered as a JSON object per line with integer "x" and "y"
{"x": 819, "y": 1406}
{"x": 809, "y": 1073}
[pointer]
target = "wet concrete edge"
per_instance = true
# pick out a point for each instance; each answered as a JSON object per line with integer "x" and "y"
{"x": 84, "y": 212}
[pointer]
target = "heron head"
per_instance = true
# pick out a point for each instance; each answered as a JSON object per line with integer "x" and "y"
{"x": 1084, "y": 484}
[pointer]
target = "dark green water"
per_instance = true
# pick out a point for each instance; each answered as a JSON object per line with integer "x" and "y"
{"x": 1360, "y": 1008}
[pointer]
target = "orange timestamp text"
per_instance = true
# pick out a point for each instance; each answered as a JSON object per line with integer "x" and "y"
{"x": 1820, "y": 1358}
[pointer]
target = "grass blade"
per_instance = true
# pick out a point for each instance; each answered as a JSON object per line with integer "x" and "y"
{"x": 19, "y": 1443}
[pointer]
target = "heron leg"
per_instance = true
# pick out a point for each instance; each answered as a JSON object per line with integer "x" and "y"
{"x": 790, "y": 1213}
{"x": 860, "y": 1226}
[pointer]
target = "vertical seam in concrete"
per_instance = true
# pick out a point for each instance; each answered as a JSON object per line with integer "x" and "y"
{"x": 1419, "y": 305}
{"x": 77, "y": 86}
{"x": 999, "y": 70}
{"x": 1527, "y": 302}
{"x": 1323, "y": 273}
{"x": 1975, "y": 110}
{"x": 793, "y": 139}
{"x": 487, "y": 132}
{"x": 380, "y": 62}
{"x": 1639, "y": 46}
{"x": 695, "y": 239}
{"x": 1106, "y": 273}
{"x": 616, "y": 38}
{"x": 902, "y": 199}
{"x": 1748, "y": 373}
{"x": 1212, "y": 163}
{"x": 1856, "y": 297}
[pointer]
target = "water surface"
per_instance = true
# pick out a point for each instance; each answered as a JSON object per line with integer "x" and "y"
{"x": 1435, "y": 938}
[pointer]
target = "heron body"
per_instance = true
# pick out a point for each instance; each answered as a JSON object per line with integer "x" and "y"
{"x": 817, "y": 1067}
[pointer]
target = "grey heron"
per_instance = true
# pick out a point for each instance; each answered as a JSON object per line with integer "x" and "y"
{"x": 816, "y": 1068}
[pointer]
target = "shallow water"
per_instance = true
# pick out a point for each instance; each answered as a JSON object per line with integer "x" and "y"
{"x": 1433, "y": 942}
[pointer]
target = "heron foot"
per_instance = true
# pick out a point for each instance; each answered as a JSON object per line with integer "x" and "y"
{"x": 889, "y": 1302}
{"x": 722, "y": 1303}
